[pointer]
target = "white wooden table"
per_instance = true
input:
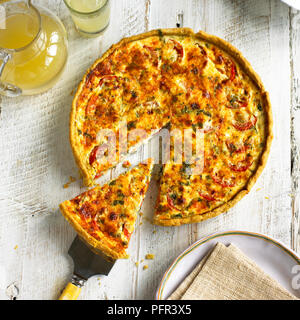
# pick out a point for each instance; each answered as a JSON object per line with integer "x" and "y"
{"x": 36, "y": 159}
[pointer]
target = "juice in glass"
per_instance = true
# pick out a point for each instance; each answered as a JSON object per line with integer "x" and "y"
{"x": 91, "y": 17}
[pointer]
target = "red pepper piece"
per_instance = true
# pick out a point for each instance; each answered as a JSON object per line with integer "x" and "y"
{"x": 95, "y": 151}
{"x": 93, "y": 155}
{"x": 232, "y": 72}
{"x": 94, "y": 225}
{"x": 98, "y": 175}
{"x": 127, "y": 234}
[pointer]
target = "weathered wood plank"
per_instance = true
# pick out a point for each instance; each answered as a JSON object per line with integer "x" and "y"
{"x": 128, "y": 18}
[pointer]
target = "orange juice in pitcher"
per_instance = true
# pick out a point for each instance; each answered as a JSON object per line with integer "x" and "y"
{"x": 33, "y": 49}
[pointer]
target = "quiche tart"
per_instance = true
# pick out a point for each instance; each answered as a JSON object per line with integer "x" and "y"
{"x": 180, "y": 80}
{"x": 105, "y": 216}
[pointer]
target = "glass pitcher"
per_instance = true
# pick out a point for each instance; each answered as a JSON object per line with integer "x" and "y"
{"x": 33, "y": 48}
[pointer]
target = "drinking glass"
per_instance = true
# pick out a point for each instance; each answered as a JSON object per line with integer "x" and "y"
{"x": 91, "y": 17}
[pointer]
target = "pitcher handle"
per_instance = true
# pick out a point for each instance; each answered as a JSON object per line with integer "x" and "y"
{"x": 7, "y": 89}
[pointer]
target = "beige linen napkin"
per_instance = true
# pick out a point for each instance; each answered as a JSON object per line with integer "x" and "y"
{"x": 227, "y": 274}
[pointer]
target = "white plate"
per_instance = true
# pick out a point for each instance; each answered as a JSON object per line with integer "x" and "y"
{"x": 271, "y": 255}
{"x": 293, "y": 3}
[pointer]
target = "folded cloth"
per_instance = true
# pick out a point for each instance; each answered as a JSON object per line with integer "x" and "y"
{"x": 226, "y": 273}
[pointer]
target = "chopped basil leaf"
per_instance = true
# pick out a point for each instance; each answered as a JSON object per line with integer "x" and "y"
{"x": 176, "y": 216}
{"x": 118, "y": 202}
{"x": 259, "y": 107}
{"x": 131, "y": 125}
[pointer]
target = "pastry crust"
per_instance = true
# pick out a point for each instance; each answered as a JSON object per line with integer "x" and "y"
{"x": 243, "y": 64}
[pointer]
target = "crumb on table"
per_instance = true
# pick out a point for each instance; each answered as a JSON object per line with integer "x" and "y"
{"x": 126, "y": 164}
{"x": 149, "y": 256}
{"x": 156, "y": 176}
{"x": 71, "y": 179}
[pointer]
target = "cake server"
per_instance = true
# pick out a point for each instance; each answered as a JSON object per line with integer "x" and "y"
{"x": 88, "y": 262}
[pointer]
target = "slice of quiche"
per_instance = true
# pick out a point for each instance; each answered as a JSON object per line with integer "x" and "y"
{"x": 105, "y": 216}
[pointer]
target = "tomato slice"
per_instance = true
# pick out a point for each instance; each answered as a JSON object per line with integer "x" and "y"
{"x": 203, "y": 51}
{"x": 207, "y": 197}
{"x": 91, "y": 107}
{"x": 178, "y": 48}
{"x": 236, "y": 149}
{"x": 108, "y": 78}
{"x": 93, "y": 154}
{"x": 240, "y": 166}
{"x": 237, "y": 105}
{"x": 102, "y": 69}
{"x": 246, "y": 125}
{"x": 153, "y": 53}
{"x": 222, "y": 181}
{"x": 151, "y": 49}
{"x": 209, "y": 128}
